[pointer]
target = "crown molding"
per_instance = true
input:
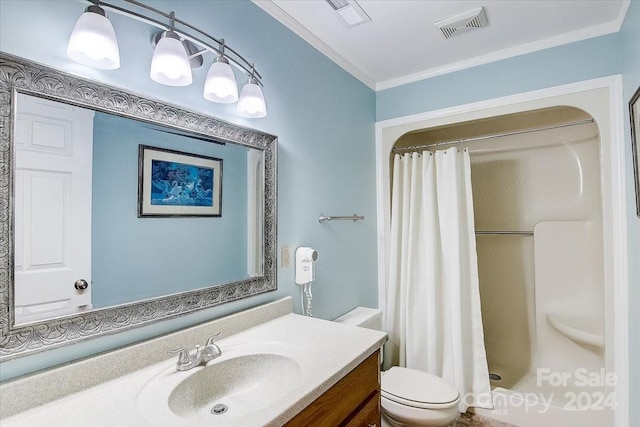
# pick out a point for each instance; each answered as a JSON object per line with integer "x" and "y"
{"x": 538, "y": 45}
{"x": 291, "y": 23}
{"x": 575, "y": 36}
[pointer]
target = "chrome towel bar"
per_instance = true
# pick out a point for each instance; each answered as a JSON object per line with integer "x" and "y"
{"x": 354, "y": 218}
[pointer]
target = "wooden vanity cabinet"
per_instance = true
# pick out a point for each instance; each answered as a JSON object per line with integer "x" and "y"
{"x": 354, "y": 401}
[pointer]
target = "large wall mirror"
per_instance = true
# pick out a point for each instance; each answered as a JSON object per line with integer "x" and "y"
{"x": 117, "y": 210}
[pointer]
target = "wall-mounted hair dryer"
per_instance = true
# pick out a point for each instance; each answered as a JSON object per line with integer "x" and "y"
{"x": 305, "y": 265}
{"x": 305, "y": 274}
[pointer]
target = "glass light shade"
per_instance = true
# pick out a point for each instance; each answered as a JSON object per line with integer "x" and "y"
{"x": 93, "y": 41}
{"x": 220, "y": 85}
{"x": 251, "y": 103}
{"x": 170, "y": 64}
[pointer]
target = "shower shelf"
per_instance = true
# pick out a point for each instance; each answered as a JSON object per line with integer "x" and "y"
{"x": 576, "y": 329}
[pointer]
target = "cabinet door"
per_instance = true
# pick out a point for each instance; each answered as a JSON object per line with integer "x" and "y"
{"x": 369, "y": 415}
{"x": 338, "y": 403}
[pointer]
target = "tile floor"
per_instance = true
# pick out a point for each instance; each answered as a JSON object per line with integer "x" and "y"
{"x": 472, "y": 420}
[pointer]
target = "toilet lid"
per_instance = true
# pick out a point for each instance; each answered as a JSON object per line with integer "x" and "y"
{"x": 418, "y": 389}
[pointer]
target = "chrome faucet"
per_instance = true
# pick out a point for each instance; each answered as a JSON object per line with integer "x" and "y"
{"x": 188, "y": 360}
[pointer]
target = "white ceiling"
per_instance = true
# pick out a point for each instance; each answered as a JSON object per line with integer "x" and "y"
{"x": 401, "y": 44}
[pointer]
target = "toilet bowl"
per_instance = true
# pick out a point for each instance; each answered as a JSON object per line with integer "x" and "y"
{"x": 410, "y": 398}
{"x": 416, "y": 398}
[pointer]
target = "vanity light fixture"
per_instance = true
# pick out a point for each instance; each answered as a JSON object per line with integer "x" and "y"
{"x": 170, "y": 64}
{"x": 251, "y": 103}
{"x": 93, "y": 40}
{"x": 220, "y": 85}
{"x": 178, "y": 47}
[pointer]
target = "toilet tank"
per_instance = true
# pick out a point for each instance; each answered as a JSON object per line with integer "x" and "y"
{"x": 370, "y": 318}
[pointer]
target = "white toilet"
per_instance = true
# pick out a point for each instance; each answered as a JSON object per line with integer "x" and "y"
{"x": 410, "y": 398}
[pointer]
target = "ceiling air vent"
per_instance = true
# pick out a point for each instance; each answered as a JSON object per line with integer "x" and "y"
{"x": 338, "y": 4}
{"x": 350, "y": 11}
{"x": 476, "y": 18}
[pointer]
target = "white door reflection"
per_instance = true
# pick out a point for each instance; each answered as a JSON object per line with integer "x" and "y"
{"x": 53, "y": 169}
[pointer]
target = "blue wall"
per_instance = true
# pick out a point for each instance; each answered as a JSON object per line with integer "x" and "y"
{"x": 160, "y": 256}
{"x": 323, "y": 117}
{"x": 587, "y": 59}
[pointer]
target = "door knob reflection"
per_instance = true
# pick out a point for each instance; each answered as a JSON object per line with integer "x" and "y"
{"x": 81, "y": 284}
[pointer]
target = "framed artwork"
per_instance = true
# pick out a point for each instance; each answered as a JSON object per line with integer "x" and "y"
{"x": 634, "y": 111}
{"x": 172, "y": 183}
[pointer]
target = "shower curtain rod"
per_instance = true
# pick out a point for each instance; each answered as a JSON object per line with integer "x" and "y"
{"x": 481, "y": 138}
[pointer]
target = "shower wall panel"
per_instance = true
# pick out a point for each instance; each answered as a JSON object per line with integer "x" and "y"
{"x": 505, "y": 267}
{"x": 518, "y": 182}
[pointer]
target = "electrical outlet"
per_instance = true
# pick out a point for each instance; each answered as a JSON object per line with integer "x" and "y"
{"x": 286, "y": 256}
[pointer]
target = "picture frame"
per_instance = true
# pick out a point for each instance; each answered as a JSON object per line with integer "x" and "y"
{"x": 634, "y": 113}
{"x": 177, "y": 184}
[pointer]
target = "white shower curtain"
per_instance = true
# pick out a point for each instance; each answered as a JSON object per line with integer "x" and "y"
{"x": 433, "y": 298}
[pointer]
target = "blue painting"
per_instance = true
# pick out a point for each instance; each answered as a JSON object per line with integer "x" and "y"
{"x": 180, "y": 184}
{"x": 174, "y": 183}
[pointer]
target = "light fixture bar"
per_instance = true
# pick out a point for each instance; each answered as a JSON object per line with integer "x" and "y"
{"x": 235, "y": 58}
{"x": 186, "y": 24}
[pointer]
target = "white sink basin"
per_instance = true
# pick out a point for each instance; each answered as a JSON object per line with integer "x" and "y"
{"x": 245, "y": 380}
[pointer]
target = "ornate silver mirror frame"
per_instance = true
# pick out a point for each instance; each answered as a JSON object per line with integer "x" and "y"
{"x": 18, "y": 75}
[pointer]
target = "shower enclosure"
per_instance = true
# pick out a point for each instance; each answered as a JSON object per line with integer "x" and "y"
{"x": 539, "y": 237}
{"x": 538, "y": 206}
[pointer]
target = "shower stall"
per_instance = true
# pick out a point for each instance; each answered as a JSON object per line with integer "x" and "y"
{"x": 538, "y": 208}
{"x": 539, "y": 240}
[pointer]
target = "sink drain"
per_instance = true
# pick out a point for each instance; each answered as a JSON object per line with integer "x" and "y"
{"x": 219, "y": 409}
{"x": 495, "y": 377}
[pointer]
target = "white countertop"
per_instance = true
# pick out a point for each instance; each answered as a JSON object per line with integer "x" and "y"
{"x": 326, "y": 351}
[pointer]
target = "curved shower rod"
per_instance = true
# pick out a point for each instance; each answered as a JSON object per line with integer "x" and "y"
{"x": 481, "y": 138}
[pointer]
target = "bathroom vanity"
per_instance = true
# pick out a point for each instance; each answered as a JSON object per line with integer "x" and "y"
{"x": 353, "y": 401}
{"x": 276, "y": 368}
